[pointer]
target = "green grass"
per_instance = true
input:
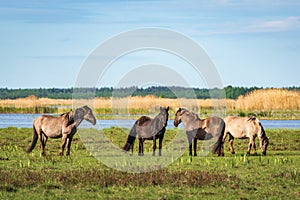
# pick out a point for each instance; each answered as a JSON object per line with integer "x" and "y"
{"x": 81, "y": 176}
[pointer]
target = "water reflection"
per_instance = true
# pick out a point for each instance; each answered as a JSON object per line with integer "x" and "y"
{"x": 25, "y": 121}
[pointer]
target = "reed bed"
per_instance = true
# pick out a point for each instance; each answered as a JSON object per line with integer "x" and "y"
{"x": 258, "y": 101}
{"x": 269, "y": 99}
{"x": 33, "y": 101}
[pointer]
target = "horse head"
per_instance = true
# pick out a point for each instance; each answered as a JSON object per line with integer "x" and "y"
{"x": 88, "y": 115}
{"x": 177, "y": 119}
{"x": 264, "y": 145}
{"x": 82, "y": 113}
{"x": 164, "y": 112}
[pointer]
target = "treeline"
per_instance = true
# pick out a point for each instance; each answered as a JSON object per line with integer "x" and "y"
{"x": 229, "y": 92}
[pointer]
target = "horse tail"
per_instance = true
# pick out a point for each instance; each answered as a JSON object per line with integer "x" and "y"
{"x": 131, "y": 138}
{"x": 217, "y": 149}
{"x": 34, "y": 140}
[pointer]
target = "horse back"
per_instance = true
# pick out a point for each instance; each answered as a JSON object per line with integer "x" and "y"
{"x": 144, "y": 120}
{"x": 242, "y": 127}
{"x": 50, "y": 125}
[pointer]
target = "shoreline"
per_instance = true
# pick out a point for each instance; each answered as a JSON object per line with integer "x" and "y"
{"x": 135, "y": 114}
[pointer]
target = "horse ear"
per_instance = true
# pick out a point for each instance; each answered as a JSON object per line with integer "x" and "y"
{"x": 168, "y": 108}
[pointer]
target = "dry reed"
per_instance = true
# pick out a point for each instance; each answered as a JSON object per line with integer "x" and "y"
{"x": 33, "y": 101}
{"x": 267, "y": 99}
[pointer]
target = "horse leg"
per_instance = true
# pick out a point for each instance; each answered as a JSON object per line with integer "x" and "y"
{"x": 254, "y": 147}
{"x": 154, "y": 146}
{"x": 46, "y": 139}
{"x": 252, "y": 144}
{"x": 69, "y": 141}
{"x": 230, "y": 143}
{"x": 141, "y": 147}
{"x": 43, "y": 144}
{"x": 160, "y": 145}
{"x": 195, "y": 147}
{"x": 190, "y": 140}
{"x": 63, "y": 144}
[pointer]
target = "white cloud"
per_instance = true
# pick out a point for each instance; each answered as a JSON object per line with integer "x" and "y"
{"x": 291, "y": 23}
{"x": 285, "y": 24}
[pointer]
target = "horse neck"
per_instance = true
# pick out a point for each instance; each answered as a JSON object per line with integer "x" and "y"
{"x": 189, "y": 121}
{"x": 202, "y": 123}
{"x": 159, "y": 118}
{"x": 78, "y": 121}
{"x": 262, "y": 132}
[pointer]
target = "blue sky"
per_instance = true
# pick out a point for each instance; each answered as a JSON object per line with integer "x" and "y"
{"x": 43, "y": 44}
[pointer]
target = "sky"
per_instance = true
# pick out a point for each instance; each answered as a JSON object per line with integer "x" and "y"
{"x": 44, "y": 44}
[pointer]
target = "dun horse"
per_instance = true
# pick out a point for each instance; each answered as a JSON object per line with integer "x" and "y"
{"x": 201, "y": 129}
{"x": 63, "y": 126}
{"x": 147, "y": 128}
{"x": 249, "y": 127}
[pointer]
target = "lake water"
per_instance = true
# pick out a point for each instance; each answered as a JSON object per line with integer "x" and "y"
{"x": 25, "y": 121}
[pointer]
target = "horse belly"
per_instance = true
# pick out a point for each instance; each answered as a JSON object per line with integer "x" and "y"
{"x": 52, "y": 132}
{"x": 201, "y": 134}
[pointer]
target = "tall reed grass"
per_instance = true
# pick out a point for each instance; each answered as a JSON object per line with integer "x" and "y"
{"x": 269, "y": 99}
{"x": 258, "y": 100}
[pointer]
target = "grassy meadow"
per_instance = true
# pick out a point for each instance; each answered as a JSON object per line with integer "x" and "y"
{"x": 264, "y": 103}
{"x": 81, "y": 176}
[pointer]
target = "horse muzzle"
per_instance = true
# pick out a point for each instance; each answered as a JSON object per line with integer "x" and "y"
{"x": 176, "y": 123}
{"x": 92, "y": 121}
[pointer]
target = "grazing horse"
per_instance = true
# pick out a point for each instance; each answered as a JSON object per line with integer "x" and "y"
{"x": 147, "y": 128}
{"x": 201, "y": 129}
{"x": 245, "y": 127}
{"x": 63, "y": 126}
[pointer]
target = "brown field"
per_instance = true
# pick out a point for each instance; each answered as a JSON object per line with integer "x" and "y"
{"x": 264, "y": 102}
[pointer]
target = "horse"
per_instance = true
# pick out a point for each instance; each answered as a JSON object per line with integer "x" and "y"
{"x": 147, "y": 128}
{"x": 63, "y": 126}
{"x": 246, "y": 127}
{"x": 201, "y": 129}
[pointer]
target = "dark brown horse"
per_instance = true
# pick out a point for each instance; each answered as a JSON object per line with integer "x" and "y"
{"x": 147, "y": 128}
{"x": 63, "y": 126}
{"x": 246, "y": 127}
{"x": 201, "y": 129}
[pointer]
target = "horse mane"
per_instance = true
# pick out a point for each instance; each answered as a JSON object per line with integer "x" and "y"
{"x": 188, "y": 113}
{"x": 142, "y": 120}
{"x": 252, "y": 118}
{"x": 69, "y": 117}
{"x": 63, "y": 114}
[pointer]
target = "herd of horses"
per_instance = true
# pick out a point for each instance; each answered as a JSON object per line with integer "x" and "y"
{"x": 146, "y": 128}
